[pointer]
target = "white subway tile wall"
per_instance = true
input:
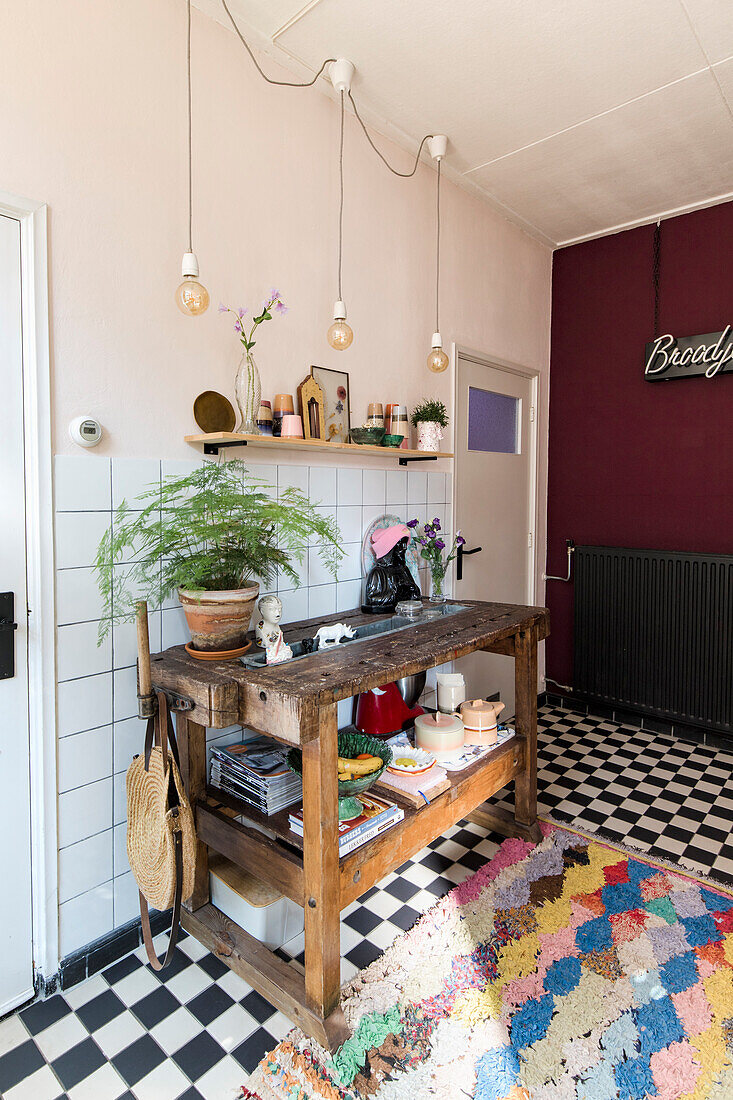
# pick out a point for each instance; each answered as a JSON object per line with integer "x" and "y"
{"x": 98, "y": 729}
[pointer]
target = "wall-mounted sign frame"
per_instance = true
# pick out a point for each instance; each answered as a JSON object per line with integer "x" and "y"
{"x": 689, "y": 356}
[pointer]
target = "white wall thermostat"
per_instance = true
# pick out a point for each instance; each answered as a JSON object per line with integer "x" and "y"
{"x": 85, "y": 431}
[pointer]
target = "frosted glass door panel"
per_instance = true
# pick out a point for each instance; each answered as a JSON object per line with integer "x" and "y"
{"x": 493, "y": 422}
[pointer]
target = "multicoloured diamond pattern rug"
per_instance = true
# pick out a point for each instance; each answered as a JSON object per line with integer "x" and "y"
{"x": 559, "y": 971}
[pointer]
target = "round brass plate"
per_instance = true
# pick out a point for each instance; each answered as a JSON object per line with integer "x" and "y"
{"x": 213, "y": 412}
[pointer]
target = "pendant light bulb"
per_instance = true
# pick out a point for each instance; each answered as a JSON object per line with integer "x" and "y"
{"x": 340, "y": 333}
{"x": 437, "y": 360}
{"x": 192, "y": 297}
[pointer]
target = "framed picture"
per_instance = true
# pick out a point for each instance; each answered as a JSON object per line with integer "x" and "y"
{"x": 336, "y": 403}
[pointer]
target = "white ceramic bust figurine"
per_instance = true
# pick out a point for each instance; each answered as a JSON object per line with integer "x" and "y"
{"x": 268, "y": 629}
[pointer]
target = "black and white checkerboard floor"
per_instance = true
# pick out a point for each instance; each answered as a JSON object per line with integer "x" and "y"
{"x": 198, "y": 1030}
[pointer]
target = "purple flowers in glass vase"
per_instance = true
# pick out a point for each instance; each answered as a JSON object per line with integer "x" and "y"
{"x": 247, "y": 384}
{"x": 430, "y": 544}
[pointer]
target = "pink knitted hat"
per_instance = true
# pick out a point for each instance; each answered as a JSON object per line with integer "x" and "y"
{"x": 385, "y": 538}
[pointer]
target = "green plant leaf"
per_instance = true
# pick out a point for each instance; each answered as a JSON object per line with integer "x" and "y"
{"x": 213, "y": 529}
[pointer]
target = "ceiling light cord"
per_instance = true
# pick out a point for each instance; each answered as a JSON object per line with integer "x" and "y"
{"x": 656, "y": 268}
{"x": 341, "y": 194}
{"x": 280, "y": 83}
{"x": 403, "y": 175}
{"x": 190, "y": 128}
{"x": 437, "y": 254}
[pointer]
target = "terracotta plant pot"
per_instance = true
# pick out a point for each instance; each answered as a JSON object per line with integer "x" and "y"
{"x": 218, "y": 621}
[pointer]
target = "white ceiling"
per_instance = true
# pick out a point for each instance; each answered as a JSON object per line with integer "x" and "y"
{"x": 574, "y": 118}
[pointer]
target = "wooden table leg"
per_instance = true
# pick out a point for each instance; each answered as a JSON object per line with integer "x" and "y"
{"x": 525, "y": 722}
{"x": 191, "y": 738}
{"x": 321, "y": 866}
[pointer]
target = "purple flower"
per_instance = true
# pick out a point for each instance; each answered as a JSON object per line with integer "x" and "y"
{"x": 241, "y": 313}
{"x": 281, "y": 307}
{"x": 274, "y": 294}
{"x": 412, "y": 523}
{"x": 237, "y": 326}
{"x": 436, "y": 523}
{"x": 423, "y": 542}
{"x": 223, "y": 308}
{"x": 428, "y": 530}
{"x": 460, "y": 541}
{"x": 439, "y": 544}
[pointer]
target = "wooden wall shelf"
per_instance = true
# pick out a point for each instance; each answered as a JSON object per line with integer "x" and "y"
{"x": 213, "y": 441}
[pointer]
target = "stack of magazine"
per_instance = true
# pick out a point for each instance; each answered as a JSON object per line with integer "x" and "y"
{"x": 377, "y": 815}
{"x": 256, "y": 772}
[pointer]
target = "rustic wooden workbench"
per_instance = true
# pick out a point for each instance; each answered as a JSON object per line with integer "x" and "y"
{"x": 296, "y": 704}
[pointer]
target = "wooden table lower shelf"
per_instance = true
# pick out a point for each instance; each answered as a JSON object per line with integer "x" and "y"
{"x": 298, "y": 705}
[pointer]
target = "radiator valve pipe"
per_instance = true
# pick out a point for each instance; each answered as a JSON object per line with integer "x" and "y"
{"x": 571, "y": 550}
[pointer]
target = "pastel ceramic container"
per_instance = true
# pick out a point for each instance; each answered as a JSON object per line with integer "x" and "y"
{"x": 480, "y": 721}
{"x": 400, "y": 425}
{"x": 264, "y": 418}
{"x": 441, "y": 734}
{"x": 283, "y": 404}
{"x": 451, "y": 691}
{"x": 292, "y": 426}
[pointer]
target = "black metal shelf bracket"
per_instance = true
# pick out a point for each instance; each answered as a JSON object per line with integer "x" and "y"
{"x": 213, "y": 448}
{"x": 415, "y": 458}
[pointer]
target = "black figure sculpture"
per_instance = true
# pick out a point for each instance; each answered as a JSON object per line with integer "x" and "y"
{"x": 389, "y": 580}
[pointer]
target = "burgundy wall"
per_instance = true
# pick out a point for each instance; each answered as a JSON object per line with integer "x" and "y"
{"x": 634, "y": 463}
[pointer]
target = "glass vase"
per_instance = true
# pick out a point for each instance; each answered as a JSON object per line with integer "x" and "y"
{"x": 248, "y": 391}
{"x": 437, "y": 583}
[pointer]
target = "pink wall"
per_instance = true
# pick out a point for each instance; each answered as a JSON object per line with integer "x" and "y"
{"x": 93, "y": 123}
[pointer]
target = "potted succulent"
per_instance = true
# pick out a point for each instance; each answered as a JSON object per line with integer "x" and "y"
{"x": 210, "y": 537}
{"x": 429, "y": 417}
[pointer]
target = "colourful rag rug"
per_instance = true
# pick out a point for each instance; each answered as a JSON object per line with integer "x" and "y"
{"x": 559, "y": 971}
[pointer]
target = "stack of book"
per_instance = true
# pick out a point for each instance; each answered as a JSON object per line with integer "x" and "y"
{"x": 256, "y": 772}
{"x": 377, "y": 815}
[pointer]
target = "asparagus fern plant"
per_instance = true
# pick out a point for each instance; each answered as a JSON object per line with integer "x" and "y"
{"x": 214, "y": 529}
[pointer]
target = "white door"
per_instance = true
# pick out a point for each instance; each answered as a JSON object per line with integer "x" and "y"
{"x": 16, "y": 951}
{"x": 495, "y": 504}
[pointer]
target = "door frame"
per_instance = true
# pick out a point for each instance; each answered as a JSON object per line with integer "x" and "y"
{"x": 38, "y": 463}
{"x": 460, "y": 351}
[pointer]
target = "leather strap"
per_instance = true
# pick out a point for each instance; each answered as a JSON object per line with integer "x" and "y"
{"x": 176, "y": 920}
{"x": 160, "y": 730}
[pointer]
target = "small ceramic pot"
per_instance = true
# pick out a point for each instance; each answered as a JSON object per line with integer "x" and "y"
{"x": 429, "y": 435}
{"x": 283, "y": 404}
{"x": 480, "y": 721}
{"x": 218, "y": 621}
{"x": 441, "y": 734}
{"x": 451, "y": 692}
{"x": 292, "y": 426}
{"x": 400, "y": 425}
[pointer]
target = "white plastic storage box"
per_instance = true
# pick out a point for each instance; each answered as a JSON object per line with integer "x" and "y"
{"x": 256, "y": 907}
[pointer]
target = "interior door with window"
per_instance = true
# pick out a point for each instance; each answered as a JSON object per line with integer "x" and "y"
{"x": 495, "y": 504}
{"x": 16, "y": 951}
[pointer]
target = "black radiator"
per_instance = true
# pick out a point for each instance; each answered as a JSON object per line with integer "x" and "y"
{"x": 654, "y": 633}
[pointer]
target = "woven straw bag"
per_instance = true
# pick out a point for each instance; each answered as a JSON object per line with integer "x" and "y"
{"x": 161, "y": 836}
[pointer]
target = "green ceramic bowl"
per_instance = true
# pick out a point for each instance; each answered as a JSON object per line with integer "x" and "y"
{"x": 371, "y": 436}
{"x": 350, "y": 744}
{"x": 392, "y": 440}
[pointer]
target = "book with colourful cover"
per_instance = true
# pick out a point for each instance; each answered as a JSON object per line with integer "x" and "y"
{"x": 378, "y": 814}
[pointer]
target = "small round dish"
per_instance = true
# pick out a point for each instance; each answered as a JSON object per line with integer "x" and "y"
{"x": 392, "y": 440}
{"x": 216, "y": 655}
{"x": 407, "y": 761}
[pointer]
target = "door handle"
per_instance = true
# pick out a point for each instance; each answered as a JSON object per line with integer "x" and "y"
{"x": 461, "y": 553}
{"x": 7, "y": 643}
